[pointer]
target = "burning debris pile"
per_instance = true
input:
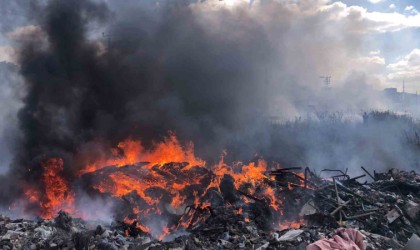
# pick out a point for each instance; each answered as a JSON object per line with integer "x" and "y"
{"x": 198, "y": 71}
{"x": 183, "y": 206}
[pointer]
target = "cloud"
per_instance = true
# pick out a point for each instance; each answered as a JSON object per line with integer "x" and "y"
{"x": 358, "y": 19}
{"x": 370, "y": 63}
{"x": 411, "y": 9}
{"x": 375, "y": 1}
{"x": 407, "y": 68}
{"x": 375, "y": 53}
{"x": 408, "y": 8}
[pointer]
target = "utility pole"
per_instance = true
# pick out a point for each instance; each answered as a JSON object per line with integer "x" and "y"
{"x": 403, "y": 88}
{"x": 403, "y": 97}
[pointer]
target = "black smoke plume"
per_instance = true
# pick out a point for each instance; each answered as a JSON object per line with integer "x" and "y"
{"x": 156, "y": 70}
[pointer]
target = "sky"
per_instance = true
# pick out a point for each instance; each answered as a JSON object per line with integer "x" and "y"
{"x": 397, "y": 44}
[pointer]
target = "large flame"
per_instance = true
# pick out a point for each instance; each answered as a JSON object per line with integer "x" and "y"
{"x": 170, "y": 150}
{"x": 159, "y": 185}
{"x": 55, "y": 193}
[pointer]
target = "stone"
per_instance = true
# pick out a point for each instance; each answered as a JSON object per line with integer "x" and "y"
{"x": 412, "y": 209}
{"x": 106, "y": 233}
{"x": 226, "y": 236}
{"x": 291, "y": 235}
{"x": 308, "y": 209}
{"x": 263, "y": 246}
{"x": 392, "y": 215}
{"x": 44, "y": 231}
{"x": 413, "y": 243}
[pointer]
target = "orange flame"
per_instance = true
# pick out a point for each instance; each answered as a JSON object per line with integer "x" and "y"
{"x": 290, "y": 224}
{"x": 180, "y": 185}
{"x": 170, "y": 150}
{"x": 56, "y": 193}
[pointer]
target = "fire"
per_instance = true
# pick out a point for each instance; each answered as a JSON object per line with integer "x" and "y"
{"x": 58, "y": 195}
{"x": 239, "y": 211}
{"x": 171, "y": 180}
{"x": 32, "y": 195}
{"x": 139, "y": 226}
{"x": 170, "y": 150}
{"x": 290, "y": 224}
{"x": 180, "y": 183}
{"x": 55, "y": 194}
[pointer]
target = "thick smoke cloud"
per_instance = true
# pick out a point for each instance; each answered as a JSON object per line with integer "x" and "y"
{"x": 161, "y": 70}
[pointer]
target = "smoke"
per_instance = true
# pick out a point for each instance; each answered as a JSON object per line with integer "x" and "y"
{"x": 211, "y": 72}
{"x": 380, "y": 141}
{"x": 8, "y": 109}
{"x": 162, "y": 71}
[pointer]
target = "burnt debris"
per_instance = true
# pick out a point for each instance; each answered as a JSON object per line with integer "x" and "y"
{"x": 386, "y": 212}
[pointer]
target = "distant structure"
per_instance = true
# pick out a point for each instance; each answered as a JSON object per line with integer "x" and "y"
{"x": 402, "y": 101}
{"x": 393, "y": 95}
{"x": 403, "y": 96}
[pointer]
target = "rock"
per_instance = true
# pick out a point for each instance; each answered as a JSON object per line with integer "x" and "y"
{"x": 252, "y": 230}
{"x": 12, "y": 226}
{"x": 308, "y": 209}
{"x": 412, "y": 209}
{"x": 81, "y": 240}
{"x": 413, "y": 243}
{"x": 226, "y": 236}
{"x": 5, "y": 237}
{"x": 175, "y": 210}
{"x": 106, "y": 246}
{"x": 155, "y": 245}
{"x": 44, "y": 231}
{"x": 99, "y": 230}
{"x": 12, "y": 235}
{"x": 291, "y": 235}
{"x": 392, "y": 215}
{"x": 145, "y": 240}
{"x": 263, "y": 246}
{"x": 120, "y": 240}
{"x": 276, "y": 236}
{"x": 63, "y": 221}
{"x": 106, "y": 233}
{"x": 225, "y": 243}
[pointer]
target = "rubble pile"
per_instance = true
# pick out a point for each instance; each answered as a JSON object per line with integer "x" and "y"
{"x": 384, "y": 213}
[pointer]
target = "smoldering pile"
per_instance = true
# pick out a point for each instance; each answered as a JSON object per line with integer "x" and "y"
{"x": 384, "y": 214}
